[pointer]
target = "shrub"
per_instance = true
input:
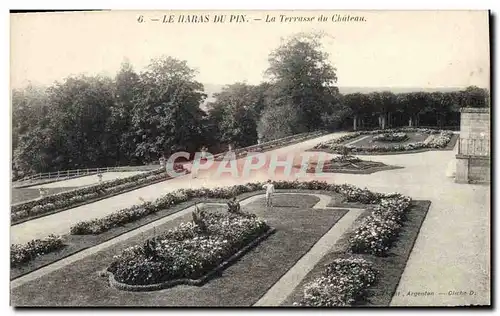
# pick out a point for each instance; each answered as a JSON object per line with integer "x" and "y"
{"x": 341, "y": 284}
{"x": 22, "y": 254}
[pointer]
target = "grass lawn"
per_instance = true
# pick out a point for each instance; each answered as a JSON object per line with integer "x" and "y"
{"x": 298, "y": 228}
{"x": 26, "y": 194}
{"x": 390, "y": 267}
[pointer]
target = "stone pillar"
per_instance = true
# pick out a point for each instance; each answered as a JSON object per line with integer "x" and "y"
{"x": 462, "y": 173}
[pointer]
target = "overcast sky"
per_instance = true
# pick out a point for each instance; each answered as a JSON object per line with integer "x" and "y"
{"x": 403, "y": 49}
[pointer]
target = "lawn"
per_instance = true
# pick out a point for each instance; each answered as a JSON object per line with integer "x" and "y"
{"x": 298, "y": 228}
{"x": 390, "y": 267}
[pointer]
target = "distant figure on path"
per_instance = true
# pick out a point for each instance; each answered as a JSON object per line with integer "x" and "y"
{"x": 42, "y": 192}
{"x": 269, "y": 186}
{"x": 99, "y": 175}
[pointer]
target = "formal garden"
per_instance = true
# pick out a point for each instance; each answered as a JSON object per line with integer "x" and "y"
{"x": 216, "y": 252}
{"x": 390, "y": 141}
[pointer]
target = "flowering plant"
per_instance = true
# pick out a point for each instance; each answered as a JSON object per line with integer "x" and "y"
{"x": 341, "y": 284}
{"x": 23, "y": 253}
{"x": 391, "y": 137}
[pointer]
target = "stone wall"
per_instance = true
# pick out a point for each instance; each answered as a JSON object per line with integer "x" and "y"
{"x": 475, "y": 123}
{"x": 473, "y": 158}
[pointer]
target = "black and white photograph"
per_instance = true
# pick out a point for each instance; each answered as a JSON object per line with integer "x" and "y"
{"x": 295, "y": 158}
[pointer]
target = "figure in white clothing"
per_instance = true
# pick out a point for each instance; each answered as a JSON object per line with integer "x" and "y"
{"x": 269, "y": 186}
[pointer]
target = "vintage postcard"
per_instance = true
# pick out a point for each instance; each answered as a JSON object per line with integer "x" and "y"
{"x": 250, "y": 159}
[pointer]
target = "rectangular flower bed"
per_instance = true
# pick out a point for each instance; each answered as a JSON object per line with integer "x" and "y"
{"x": 342, "y": 283}
{"x": 380, "y": 229}
{"x": 187, "y": 252}
{"x": 22, "y": 254}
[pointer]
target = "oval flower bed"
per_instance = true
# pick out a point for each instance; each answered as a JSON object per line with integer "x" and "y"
{"x": 187, "y": 253}
{"x": 342, "y": 283}
{"x": 71, "y": 198}
{"x": 22, "y": 254}
{"x": 391, "y": 137}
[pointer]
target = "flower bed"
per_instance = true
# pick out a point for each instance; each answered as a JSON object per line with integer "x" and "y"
{"x": 22, "y": 254}
{"x": 440, "y": 140}
{"x": 342, "y": 283}
{"x": 67, "y": 199}
{"x": 187, "y": 252}
{"x": 391, "y": 137}
{"x": 380, "y": 229}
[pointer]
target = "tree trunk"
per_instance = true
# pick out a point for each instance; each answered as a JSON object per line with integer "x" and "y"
{"x": 410, "y": 122}
{"x": 355, "y": 123}
{"x": 382, "y": 121}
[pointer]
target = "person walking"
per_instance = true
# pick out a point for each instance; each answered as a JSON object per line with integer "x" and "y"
{"x": 269, "y": 187}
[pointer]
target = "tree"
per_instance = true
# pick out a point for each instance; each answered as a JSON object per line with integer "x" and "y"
{"x": 278, "y": 122}
{"x": 360, "y": 105}
{"x": 413, "y": 104}
{"x": 30, "y": 108}
{"x": 236, "y": 111}
{"x": 167, "y": 117}
{"x": 302, "y": 77}
{"x": 474, "y": 97}
{"x": 125, "y": 92}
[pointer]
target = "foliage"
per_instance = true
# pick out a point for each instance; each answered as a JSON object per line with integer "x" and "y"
{"x": 303, "y": 79}
{"x": 278, "y": 122}
{"x": 167, "y": 118}
{"x": 22, "y": 254}
{"x": 236, "y": 111}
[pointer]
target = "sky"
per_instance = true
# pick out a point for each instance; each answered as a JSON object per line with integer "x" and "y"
{"x": 426, "y": 49}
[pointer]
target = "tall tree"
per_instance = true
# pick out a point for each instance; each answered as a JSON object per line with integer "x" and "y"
{"x": 236, "y": 110}
{"x": 126, "y": 88}
{"x": 167, "y": 117}
{"x": 302, "y": 77}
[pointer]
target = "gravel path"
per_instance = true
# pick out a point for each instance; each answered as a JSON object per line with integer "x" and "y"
{"x": 87, "y": 180}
